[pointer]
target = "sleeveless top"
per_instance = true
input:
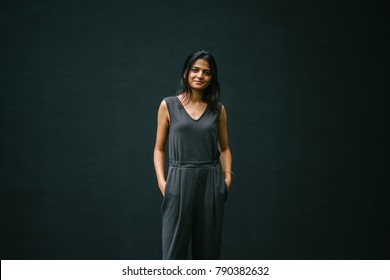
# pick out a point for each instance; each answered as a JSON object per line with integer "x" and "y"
{"x": 192, "y": 140}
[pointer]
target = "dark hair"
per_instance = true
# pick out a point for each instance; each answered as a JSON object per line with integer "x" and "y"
{"x": 212, "y": 92}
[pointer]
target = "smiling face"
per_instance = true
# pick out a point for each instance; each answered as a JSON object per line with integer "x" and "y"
{"x": 199, "y": 76}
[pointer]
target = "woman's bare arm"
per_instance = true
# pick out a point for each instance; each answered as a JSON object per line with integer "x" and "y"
{"x": 159, "y": 148}
{"x": 226, "y": 156}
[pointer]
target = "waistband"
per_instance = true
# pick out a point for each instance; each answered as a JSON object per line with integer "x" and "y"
{"x": 193, "y": 164}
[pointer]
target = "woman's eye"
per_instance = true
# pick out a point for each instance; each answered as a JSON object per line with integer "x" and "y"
{"x": 194, "y": 70}
{"x": 207, "y": 73}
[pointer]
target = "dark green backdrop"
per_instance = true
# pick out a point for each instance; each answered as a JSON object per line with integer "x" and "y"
{"x": 304, "y": 86}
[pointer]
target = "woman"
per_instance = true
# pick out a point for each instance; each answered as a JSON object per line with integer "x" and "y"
{"x": 200, "y": 162}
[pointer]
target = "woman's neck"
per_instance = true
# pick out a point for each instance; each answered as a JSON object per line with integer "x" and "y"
{"x": 197, "y": 96}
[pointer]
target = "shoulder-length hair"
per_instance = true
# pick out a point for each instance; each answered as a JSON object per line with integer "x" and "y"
{"x": 212, "y": 92}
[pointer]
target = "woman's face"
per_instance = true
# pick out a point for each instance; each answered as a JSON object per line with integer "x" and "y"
{"x": 199, "y": 77}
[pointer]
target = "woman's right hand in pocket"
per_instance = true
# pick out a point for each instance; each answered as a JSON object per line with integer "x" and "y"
{"x": 162, "y": 188}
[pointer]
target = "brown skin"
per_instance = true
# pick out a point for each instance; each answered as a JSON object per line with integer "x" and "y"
{"x": 199, "y": 79}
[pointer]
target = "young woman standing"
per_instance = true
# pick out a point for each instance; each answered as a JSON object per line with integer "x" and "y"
{"x": 200, "y": 162}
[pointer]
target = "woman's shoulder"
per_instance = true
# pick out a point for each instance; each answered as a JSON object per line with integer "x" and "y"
{"x": 169, "y": 102}
{"x": 219, "y": 106}
{"x": 170, "y": 99}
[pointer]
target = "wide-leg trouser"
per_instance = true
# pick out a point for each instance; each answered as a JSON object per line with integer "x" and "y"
{"x": 192, "y": 209}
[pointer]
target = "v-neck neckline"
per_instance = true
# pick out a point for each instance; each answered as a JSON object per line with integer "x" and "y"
{"x": 195, "y": 120}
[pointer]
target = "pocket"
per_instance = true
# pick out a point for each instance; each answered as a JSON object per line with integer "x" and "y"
{"x": 226, "y": 190}
{"x": 167, "y": 183}
{"x": 162, "y": 205}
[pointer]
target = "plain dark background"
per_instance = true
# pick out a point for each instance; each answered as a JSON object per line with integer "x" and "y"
{"x": 305, "y": 85}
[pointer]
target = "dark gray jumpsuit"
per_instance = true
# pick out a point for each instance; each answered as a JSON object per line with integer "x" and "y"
{"x": 195, "y": 192}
